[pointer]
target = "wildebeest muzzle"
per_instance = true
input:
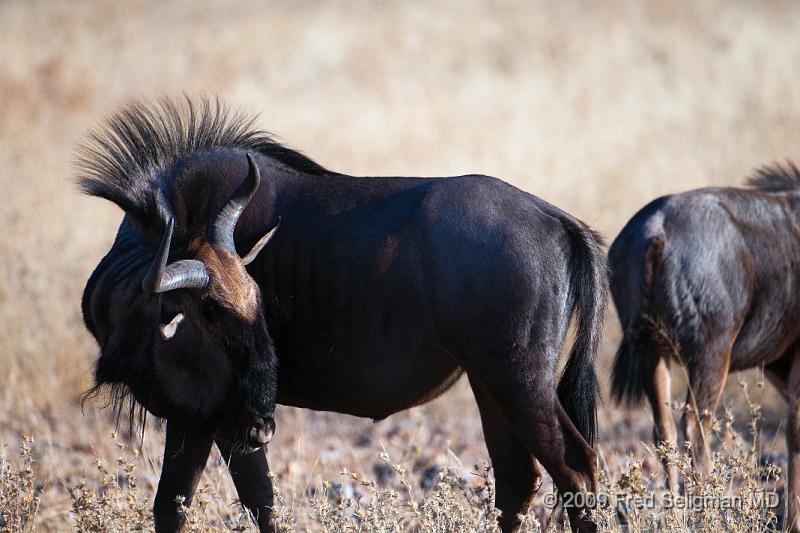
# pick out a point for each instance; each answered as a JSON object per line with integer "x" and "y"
{"x": 260, "y": 432}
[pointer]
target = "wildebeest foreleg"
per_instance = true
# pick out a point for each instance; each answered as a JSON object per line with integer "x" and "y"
{"x": 185, "y": 454}
{"x": 778, "y": 372}
{"x": 793, "y": 445}
{"x": 250, "y": 474}
{"x": 659, "y": 395}
{"x": 517, "y": 477}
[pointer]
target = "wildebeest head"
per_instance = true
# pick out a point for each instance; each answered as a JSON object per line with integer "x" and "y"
{"x": 190, "y": 338}
{"x": 220, "y": 315}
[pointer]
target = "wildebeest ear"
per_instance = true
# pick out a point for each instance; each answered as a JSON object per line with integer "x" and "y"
{"x": 254, "y": 251}
{"x": 168, "y": 330}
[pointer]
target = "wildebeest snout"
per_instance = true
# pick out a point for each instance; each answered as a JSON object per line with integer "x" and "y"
{"x": 260, "y": 432}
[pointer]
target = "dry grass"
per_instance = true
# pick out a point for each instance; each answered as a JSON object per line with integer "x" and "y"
{"x": 596, "y": 109}
{"x": 448, "y": 498}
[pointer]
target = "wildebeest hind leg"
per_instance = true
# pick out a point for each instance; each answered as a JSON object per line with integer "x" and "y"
{"x": 659, "y": 395}
{"x": 517, "y": 477}
{"x": 708, "y": 373}
{"x": 528, "y": 400}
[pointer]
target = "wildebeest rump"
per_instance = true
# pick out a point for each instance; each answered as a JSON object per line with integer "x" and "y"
{"x": 375, "y": 295}
{"x": 712, "y": 277}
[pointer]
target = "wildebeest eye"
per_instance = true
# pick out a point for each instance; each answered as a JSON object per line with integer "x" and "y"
{"x": 168, "y": 330}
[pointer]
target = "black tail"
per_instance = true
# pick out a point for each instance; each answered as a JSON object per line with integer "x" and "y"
{"x": 637, "y": 354}
{"x": 577, "y": 390}
{"x": 634, "y": 363}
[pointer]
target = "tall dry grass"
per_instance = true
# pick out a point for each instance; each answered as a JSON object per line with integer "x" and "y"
{"x": 596, "y": 108}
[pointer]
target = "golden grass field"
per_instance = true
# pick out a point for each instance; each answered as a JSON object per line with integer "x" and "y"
{"x": 595, "y": 108}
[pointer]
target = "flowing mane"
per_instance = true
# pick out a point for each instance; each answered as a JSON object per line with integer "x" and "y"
{"x": 122, "y": 160}
{"x": 776, "y": 177}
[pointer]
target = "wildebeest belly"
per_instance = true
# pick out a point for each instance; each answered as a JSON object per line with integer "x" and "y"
{"x": 772, "y": 320}
{"x": 771, "y": 327}
{"x": 367, "y": 381}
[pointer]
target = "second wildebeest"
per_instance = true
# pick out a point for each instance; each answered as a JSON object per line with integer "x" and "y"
{"x": 711, "y": 277}
{"x": 372, "y": 296}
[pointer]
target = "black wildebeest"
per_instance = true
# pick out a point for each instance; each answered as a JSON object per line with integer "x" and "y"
{"x": 711, "y": 277}
{"x": 374, "y": 295}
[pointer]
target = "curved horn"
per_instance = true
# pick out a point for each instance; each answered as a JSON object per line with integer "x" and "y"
{"x": 185, "y": 274}
{"x": 152, "y": 281}
{"x": 257, "y": 247}
{"x": 225, "y": 221}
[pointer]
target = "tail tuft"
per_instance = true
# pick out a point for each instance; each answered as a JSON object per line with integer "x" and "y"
{"x": 633, "y": 365}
